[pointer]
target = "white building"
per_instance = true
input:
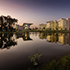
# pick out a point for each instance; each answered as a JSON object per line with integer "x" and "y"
{"x": 68, "y": 23}
{"x": 62, "y": 24}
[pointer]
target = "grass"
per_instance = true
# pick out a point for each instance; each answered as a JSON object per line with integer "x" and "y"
{"x": 47, "y": 31}
{"x": 62, "y": 63}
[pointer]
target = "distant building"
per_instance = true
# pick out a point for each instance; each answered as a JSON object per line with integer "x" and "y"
{"x": 55, "y": 25}
{"x": 68, "y": 23}
{"x": 18, "y": 27}
{"x": 62, "y": 24}
{"x": 42, "y": 26}
{"x": 27, "y": 25}
{"x": 50, "y": 25}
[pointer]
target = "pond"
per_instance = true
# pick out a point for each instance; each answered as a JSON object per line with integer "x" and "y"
{"x": 16, "y": 49}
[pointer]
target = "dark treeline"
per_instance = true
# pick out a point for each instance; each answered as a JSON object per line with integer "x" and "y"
{"x": 7, "y": 23}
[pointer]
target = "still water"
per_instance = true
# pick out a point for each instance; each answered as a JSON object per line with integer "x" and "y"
{"x": 15, "y": 49}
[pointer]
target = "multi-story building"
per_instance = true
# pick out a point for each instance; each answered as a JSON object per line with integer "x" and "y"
{"x": 50, "y": 25}
{"x": 62, "y": 24}
{"x": 42, "y": 26}
{"x": 27, "y": 25}
{"x": 68, "y": 23}
{"x": 55, "y": 25}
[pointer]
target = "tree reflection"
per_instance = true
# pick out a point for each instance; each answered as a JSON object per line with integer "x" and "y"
{"x": 7, "y": 40}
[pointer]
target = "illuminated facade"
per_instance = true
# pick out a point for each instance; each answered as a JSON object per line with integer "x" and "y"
{"x": 68, "y": 23}
{"x": 55, "y": 25}
{"x": 62, "y": 24}
{"x": 42, "y": 26}
{"x": 50, "y": 25}
{"x": 26, "y": 26}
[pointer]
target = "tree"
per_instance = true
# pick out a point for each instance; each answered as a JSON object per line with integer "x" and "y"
{"x": 7, "y": 22}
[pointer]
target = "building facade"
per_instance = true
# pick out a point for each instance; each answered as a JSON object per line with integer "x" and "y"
{"x": 19, "y": 28}
{"x": 50, "y": 25}
{"x": 55, "y": 25}
{"x": 42, "y": 26}
{"x": 62, "y": 24}
{"x": 68, "y": 23}
{"x": 26, "y": 26}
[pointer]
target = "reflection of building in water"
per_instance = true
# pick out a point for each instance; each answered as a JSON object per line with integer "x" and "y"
{"x": 52, "y": 37}
{"x": 48, "y": 38}
{"x": 68, "y": 35}
{"x": 64, "y": 38}
{"x": 25, "y": 36}
{"x": 61, "y": 38}
{"x": 42, "y": 35}
{"x": 7, "y": 40}
{"x": 55, "y": 37}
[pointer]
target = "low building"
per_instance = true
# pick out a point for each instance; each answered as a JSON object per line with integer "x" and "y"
{"x": 42, "y": 26}
{"x": 19, "y": 28}
{"x": 26, "y": 26}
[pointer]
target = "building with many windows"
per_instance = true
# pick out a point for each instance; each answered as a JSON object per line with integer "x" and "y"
{"x": 62, "y": 24}
{"x": 50, "y": 25}
{"x": 55, "y": 25}
{"x": 68, "y": 23}
{"x": 42, "y": 26}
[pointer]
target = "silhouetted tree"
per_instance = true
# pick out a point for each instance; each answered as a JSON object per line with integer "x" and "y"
{"x": 7, "y": 23}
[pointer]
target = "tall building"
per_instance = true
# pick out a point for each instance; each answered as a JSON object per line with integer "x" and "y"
{"x": 55, "y": 25}
{"x": 62, "y": 24}
{"x": 68, "y": 23}
{"x": 50, "y": 25}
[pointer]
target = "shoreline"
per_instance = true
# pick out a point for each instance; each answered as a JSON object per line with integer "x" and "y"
{"x": 50, "y": 31}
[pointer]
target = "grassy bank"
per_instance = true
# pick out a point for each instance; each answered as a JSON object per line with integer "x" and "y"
{"x": 56, "y": 64}
{"x": 49, "y": 31}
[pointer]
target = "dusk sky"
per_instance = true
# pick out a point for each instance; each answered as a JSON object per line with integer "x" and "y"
{"x": 35, "y": 11}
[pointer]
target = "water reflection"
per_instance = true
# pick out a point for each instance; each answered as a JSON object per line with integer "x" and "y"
{"x": 7, "y": 40}
{"x": 61, "y": 38}
{"x": 25, "y": 36}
